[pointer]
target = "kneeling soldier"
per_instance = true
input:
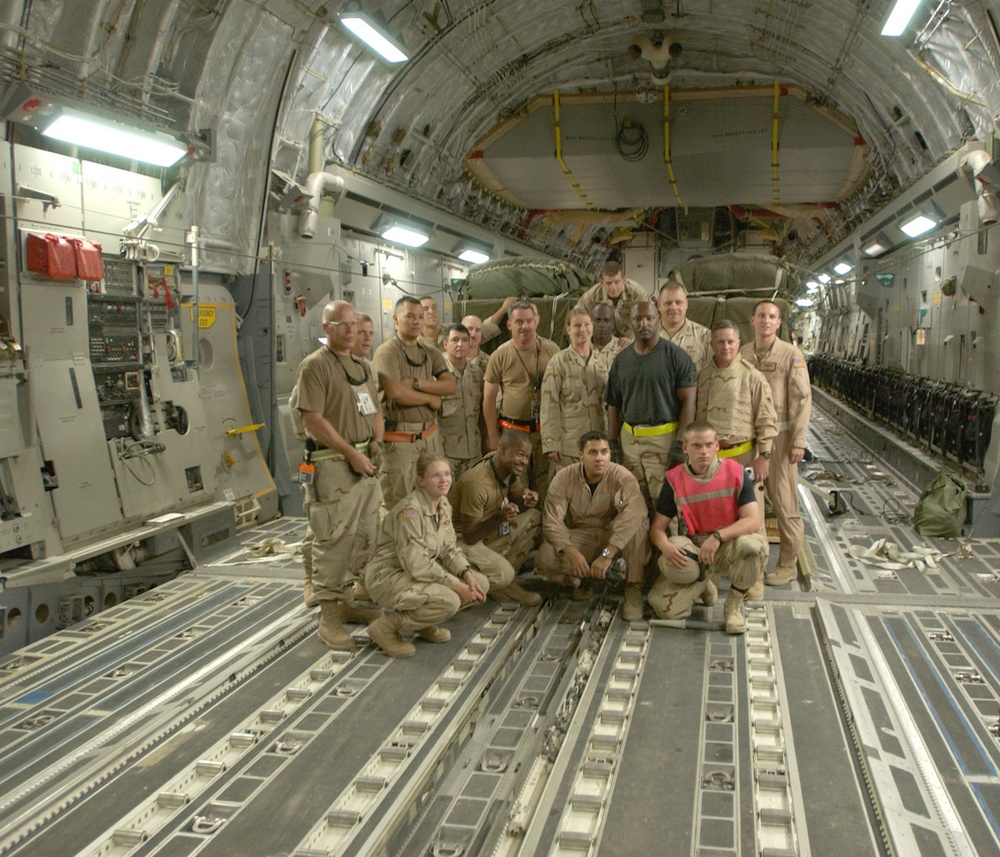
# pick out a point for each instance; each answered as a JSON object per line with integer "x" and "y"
{"x": 719, "y": 521}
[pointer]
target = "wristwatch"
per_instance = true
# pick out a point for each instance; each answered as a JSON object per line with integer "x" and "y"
{"x": 606, "y": 553}
{"x": 764, "y": 455}
{"x": 416, "y": 384}
{"x": 718, "y": 536}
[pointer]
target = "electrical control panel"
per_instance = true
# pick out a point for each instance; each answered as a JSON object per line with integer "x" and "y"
{"x": 116, "y": 359}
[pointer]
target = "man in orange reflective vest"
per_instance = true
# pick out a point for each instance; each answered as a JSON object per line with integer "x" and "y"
{"x": 719, "y": 532}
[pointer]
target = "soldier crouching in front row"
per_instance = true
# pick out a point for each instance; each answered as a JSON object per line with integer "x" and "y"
{"x": 418, "y": 570}
{"x": 497, "y": 517}
{"x": 719, "y": 523}
{"x": 594, "y": 513}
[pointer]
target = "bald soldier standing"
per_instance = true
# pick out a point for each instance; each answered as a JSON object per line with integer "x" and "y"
{"x": 651, "y": 394}
{"x": 413, "y": 377}
{"x": 677, "y": 328}
{"x": 785, "y": 369}
{"x": 614, "y": 290}
{"x": 337, "y": 401}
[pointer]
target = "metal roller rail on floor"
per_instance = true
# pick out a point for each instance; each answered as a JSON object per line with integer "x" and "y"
{"x": 477, "y": 804}
{"x": 192, "y": 798}
{"x": 75, "y": 737}
{"x": 396, "y": 775}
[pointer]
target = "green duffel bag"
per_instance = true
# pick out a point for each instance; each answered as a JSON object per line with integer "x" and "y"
{"x": 941, "y": 508}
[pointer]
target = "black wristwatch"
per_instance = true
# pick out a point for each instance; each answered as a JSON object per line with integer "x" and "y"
{"x": 716, "y": 534}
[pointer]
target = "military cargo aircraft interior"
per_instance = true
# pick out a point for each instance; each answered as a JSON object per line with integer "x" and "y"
{"x": 483, "y": 427}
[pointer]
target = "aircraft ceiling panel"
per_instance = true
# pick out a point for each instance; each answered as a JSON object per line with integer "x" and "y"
{"x": 720, "y": 150}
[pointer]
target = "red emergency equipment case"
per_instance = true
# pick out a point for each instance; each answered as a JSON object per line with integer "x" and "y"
{"x": 51, "y": 255}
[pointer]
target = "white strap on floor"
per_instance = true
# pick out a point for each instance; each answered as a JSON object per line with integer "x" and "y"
{"x": 886, "y": 554}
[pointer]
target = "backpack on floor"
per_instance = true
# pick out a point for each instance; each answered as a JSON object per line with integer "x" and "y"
{"x": 941, "y": 508}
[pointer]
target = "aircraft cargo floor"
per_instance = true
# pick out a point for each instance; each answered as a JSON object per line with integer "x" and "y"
{"x": 860, "y": 714}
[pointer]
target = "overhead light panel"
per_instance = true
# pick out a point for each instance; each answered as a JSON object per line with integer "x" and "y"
{"x": 410, "y": 236}
{"x": 114, "y": 138}
{"x": 805, "y": 303}
{"x": 899, "y": 17}
{"x": 812, "y": 286}
{"x": 474, "y": 257}
{"x": 918, "y": 225}
{"x": 842, "y": 268}
{"x": 375, "y": 35}
{"x": 876, "y": 247}
{"x": 824, "y": 278}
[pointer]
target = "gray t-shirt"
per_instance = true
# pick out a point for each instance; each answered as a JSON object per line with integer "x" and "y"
{"x": 643, "y": 387}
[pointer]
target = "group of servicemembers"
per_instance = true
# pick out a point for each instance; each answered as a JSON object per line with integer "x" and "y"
{"x": 475, "y": 462}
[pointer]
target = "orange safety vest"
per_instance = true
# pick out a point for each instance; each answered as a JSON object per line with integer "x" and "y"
{"x": 707, "y": 506}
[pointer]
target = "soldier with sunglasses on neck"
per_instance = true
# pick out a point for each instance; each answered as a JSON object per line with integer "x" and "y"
{"x": 412, "y": 377}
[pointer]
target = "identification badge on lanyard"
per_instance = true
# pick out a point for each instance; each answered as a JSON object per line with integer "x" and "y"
{"x": 366, "y": 407}
{"x": 536, "y": 406}
{"x": 504, "y": 528}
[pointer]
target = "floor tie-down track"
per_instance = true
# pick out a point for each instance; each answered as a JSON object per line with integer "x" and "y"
{"x": 206, "y": 718}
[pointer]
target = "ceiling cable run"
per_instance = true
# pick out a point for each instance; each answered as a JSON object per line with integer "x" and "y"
{"x": 666, "y": 146}
{"x": 559, "y": 157}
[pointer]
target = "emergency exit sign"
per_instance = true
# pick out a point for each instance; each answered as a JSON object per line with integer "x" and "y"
{"x": 885, "y": 280}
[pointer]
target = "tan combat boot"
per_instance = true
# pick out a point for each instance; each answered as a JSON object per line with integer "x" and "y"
{"x": 736, "y": 622}
{"x": 756, "y": 592}
{"x": 360, "y": 590}
{"x": 331, "y": 628}
{"x": 351, "y": 611}
{"x": 434, "y": 634}
{"x": 782, "y": 574}
{"x": 515, "y": 592}
{"x": 710, "y": 594}
{"x": 384, "y": 632}
{"x": 632, "y": 606}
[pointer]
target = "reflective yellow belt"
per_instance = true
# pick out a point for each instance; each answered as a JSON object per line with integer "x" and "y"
{"x": 327, "y": 454}
{"x": 733, "y": 451}
{"x": 651, "y": 431}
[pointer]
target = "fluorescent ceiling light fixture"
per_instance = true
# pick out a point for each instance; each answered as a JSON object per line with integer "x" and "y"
{"x": 899, "y": 17}
{"x": 812, "y": 286}
{"x": 843, "y": 268}
{"x": 876, "y": 247}
{"x": 473, "y": 256}
{"x": 824, "y": 278}
{"x": 373, "y": 35}
{"x": 805, "y": 303}
{"x": 918, "y": 225}
{"x": 150, "y": 147}
{"x": 407, "y": 235}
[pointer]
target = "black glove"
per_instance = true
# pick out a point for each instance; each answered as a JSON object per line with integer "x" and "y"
{"x": 617, "y": 456}
{"x": 676, "y": 455}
